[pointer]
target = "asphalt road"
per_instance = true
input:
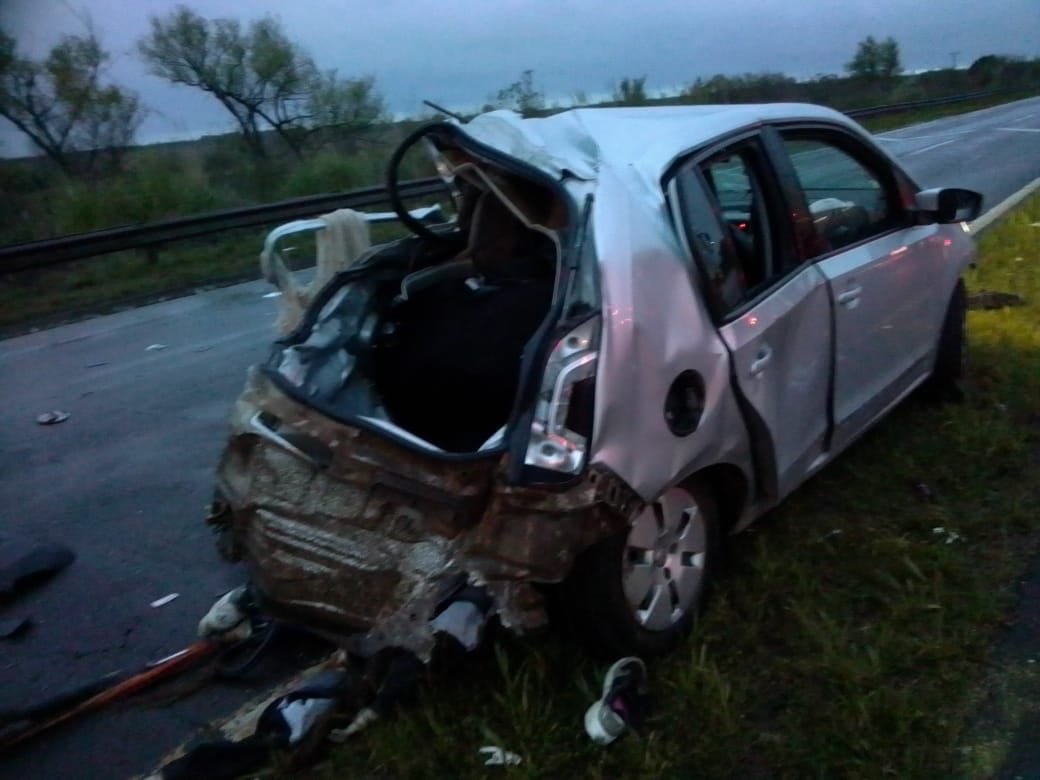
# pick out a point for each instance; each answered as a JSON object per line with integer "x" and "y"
{"x": 124, "y": 481}
{"x": 995, "y": 151}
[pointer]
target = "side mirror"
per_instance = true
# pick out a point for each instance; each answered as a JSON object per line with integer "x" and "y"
{"x": 949, "y": 204}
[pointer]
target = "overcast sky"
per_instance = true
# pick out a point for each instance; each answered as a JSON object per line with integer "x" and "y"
{"x": 459, "y": 52}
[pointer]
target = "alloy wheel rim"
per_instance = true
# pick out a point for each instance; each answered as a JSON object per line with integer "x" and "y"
{"x": 664, "y": 559}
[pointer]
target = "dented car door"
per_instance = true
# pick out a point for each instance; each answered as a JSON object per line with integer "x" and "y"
{"x": 880, "y": 269}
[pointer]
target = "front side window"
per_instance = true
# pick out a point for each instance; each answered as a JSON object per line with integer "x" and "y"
{"x": 850, "y": 200}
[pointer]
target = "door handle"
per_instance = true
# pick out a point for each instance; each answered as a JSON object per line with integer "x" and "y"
{"x": 765, "y": 354}
{"x": 850, "y": 296}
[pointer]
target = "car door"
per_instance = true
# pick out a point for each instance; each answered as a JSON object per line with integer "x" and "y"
{"x": 772, "y": 311}
{"x": 881, "y": 270}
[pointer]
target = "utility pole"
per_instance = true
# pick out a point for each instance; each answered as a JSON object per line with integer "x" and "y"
{"x": 953, "y": 56}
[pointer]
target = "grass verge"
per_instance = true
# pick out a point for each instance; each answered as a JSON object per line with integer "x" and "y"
{"x": 849, "y": 638}
{"x": 64, "y": 293}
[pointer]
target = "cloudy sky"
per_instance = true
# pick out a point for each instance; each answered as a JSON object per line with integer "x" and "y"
{"x": 458, "y": 52}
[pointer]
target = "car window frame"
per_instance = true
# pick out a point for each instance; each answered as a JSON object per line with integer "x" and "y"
{"x": 779, "y": 205}
{"x": 899, "y": 189}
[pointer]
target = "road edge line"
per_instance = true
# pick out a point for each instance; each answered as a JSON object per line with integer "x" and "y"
{"x": 992, "y": 216}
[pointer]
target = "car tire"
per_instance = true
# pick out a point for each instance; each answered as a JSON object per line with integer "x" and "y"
{"x": 952, "y": 350}
{"x": 639, "y": 592}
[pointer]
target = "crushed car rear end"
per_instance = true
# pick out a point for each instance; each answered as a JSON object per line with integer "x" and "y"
{"x": 429, "y": 422}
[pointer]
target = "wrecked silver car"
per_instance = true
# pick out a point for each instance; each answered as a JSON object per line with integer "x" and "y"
{"x": 644, "y": 328}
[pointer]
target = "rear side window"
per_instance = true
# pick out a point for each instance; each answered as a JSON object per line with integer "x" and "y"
{"x": 710, "y": 243}
{"x": 850, "y": 199}
{"x": 724, "y": 204}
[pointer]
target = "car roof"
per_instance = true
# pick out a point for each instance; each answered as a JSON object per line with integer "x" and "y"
{"x": 644, "y": 140}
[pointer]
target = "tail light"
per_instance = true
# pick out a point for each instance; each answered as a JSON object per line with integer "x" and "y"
{"x": 562, "y": 427}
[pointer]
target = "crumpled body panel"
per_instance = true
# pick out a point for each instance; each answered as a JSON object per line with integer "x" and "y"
{"x": 371, "y": 537}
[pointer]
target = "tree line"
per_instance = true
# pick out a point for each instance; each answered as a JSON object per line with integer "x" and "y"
{"x": 280, "y": 100}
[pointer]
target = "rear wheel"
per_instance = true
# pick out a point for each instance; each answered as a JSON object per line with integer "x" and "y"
{"x": 639, "y": 592}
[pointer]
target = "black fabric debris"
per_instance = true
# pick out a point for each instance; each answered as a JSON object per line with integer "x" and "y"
{"x": 33, "y": 567}
{"x": 12, "y": 627}
{"x": 219, "y": 760}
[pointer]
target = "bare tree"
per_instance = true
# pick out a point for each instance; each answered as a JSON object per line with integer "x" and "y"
{"x": 263, "y": 79}
{"x": 62, "y": 106}
{"x": 339, "y": 107}
{"x": 521, "y": 96}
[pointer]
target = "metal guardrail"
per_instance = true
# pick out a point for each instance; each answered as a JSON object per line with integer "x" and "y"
{"x": 54, "y": 251}
{"x": 48, "y": 252}
{"x": 893, "y": 108}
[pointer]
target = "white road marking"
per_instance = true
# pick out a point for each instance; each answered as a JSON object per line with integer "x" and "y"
{"x": 890, "y": 137}
{"x": 1019, "y": 129}
{"x": 929, "y": 148}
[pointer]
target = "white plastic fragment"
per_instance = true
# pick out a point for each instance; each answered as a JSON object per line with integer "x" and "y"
{"x": 496, "y": 756}
{"x": 361, "y": 721}
{"x": 300, "y": 715}
{"x": 52, "y": 418}
{"x": 154, "y": 347}
{"x": 162, "y": 602}
{"x": 462, "y": 620}
{"x": 947, "y": 535}
{"x": 226, "y": 620}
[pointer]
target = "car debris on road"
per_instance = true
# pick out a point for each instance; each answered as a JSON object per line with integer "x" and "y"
{"x": 13, "y": 627}
{"x": 52, "y": 418}
{"x": 24, "y": 565}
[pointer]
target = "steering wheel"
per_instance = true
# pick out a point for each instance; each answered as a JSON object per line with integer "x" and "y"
{"x": 393, "y": 189}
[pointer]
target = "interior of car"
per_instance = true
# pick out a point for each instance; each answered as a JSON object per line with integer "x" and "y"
{"x": 431, "y": 340}
{"x": 731, "y": 179}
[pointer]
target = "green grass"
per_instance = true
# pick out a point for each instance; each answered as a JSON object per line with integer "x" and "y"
{"x": 852, "y": 635}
